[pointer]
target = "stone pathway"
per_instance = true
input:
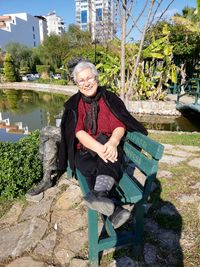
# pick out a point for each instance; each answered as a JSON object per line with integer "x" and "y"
{"x": 50, "y": 229}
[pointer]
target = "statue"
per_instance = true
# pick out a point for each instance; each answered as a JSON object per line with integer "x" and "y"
{"x": 48, "y": 151}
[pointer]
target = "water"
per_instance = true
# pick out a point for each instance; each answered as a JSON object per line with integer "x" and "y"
{"x": 29, "y": 109}
{"x": 34, "y": 110}
{"x": 168, "y": 123}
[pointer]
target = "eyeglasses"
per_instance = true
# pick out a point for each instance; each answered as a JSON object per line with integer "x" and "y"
{"x": 88, "y": 80}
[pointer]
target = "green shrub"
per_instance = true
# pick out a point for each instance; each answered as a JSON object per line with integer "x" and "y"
{"x": 42, "y": 68}
{"x": 52, "y": 81}
{"x": 20, "y": 166}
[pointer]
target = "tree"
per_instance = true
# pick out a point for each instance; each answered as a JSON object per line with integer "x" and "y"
{"x": 52, "y": 49}
{"x": 185, "y": 36}
{"x": 126, "y": 12}
{"x": 9, "y": 68}
{"x": 22, "y": 55}
{"x": 76, "y": 37}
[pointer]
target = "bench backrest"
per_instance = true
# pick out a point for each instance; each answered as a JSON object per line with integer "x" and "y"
{"x": 142, "y": 153}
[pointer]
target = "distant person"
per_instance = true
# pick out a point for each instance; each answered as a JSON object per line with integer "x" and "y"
{"x": 92, "y": 127}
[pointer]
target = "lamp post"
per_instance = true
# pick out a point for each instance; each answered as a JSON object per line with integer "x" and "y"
{"x": 95, "y": 42}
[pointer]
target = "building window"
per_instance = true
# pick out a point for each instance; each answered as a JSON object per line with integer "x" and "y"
{"x": 84, "y": 27}
{"x": 33, "y": 36}
{"x": 84, "y": 16}
{"x": 33, "y": 28}
{"x": 99, "y": 14}
{"x": 34, "y": 44}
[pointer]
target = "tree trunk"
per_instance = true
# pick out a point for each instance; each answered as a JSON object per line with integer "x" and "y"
{"x": 129, "y": 93}
{"x": 123, "y": 50}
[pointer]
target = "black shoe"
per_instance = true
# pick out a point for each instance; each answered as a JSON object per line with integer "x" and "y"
{"x": 42, "y": 186}
{"x": 100, "y": 202}
{"x": 119, "y": 217}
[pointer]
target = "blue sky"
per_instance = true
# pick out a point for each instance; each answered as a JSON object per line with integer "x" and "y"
{"x": 66, "y": 8}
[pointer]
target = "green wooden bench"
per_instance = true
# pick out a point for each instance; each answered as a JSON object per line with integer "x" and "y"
{"x": 142, "y": 153}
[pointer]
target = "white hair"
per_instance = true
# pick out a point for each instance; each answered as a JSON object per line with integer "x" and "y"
{"x": 82, "y": 66}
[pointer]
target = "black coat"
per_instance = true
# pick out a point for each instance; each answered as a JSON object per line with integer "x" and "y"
{"x": 68, "y": 142}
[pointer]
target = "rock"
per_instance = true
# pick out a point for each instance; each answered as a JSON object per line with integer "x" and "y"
{"x": 70, "y": 246}
{"x": 63, "y": 255}
{"x": 36, "y": 210}
{"x": 78, "y": 263}
{"x": 51, "y": 193}
{"x": 186, "y": 199}
{"x": 179, "y": 153}
{"x": 21, "y": 238}
{"x": 75, "y": 241}
{"x": 71, "y": 197}
{"x": 12, "y": 215}
{"x": 196, "y": 186}
{"x": 164, "y": 174}
{"x": 189, "y": 148}
{"x": 46, "y": 246}
{"x": 172, "y": 160}
{"x": 198, "y": 211}
{"x": 69, "y": 220}
{"x": 36, "y": 198}
{"x": 26, "y": 262}
{"x": 194, "y": 163}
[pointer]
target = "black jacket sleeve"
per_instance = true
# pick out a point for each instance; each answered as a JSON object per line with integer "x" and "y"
{"x": 119, "y": 109}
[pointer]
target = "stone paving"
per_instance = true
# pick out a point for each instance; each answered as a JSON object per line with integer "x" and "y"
{"x": 50, "y": 229}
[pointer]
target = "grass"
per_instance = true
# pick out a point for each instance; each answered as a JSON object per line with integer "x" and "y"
{"x": 5, "y": 205}
{"x": 185, "y": 222}
{"x": 176, "y": 138}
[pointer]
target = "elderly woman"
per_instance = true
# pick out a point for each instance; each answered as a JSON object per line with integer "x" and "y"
{"x": 92, "y": 127}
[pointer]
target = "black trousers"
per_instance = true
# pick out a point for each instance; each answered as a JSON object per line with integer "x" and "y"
{"x": 92, "y": 166}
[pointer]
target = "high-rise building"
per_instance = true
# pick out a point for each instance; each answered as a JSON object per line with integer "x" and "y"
{"x": 55, "y": 24}
{"x": 98, "y": 17}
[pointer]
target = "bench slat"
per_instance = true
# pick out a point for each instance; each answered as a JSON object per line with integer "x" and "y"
{"x": 152, "y": 147}
{"x": 129, "y": 190}
{"x": 141, "y": 161}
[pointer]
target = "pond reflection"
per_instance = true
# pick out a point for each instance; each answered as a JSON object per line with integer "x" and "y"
{"x": 168, "y": 123}
{"x": 28, "y": 110}
{"x": 23, "y": 111}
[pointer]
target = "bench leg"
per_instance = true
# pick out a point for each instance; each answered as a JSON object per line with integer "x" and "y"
{"x": 139, "y": 228}
{"x": 93, "y": 238}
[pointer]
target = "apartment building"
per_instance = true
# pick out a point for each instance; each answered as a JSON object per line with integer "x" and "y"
{"x": 28, "y": 30}
{"x": 55, "y": 24}
{"x": 42, "y": 27}
{"x": 22, "y": 28}
{"x": 98, "y": 17}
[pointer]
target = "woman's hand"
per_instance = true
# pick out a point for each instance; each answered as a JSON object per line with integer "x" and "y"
{"x": 101, "y": 151}
{"x": 110, "y": 150}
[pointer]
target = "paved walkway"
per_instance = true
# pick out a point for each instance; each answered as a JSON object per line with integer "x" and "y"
{"x": 51, "y": 229}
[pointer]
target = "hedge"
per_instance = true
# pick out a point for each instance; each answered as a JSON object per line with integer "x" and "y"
{"x": 20, "y": 166}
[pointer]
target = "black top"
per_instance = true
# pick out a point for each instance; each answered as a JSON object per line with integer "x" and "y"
{"x": 68, "y": 142}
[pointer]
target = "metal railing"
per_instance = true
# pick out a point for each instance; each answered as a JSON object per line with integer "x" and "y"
{"x": 190, "y": 87}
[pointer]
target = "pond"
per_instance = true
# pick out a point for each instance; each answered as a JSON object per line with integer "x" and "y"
{"x": 23, "y": 111}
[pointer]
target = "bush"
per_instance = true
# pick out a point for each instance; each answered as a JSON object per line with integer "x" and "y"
{"x": 20, "y": 166}
{"x": 52, "y": 81}
{"x": 43, "y": 68}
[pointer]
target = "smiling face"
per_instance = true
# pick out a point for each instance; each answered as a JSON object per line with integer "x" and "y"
{"x": 87, "y": 82}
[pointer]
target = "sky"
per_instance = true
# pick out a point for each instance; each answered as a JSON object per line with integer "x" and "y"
{"x": 66, "y": 8}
